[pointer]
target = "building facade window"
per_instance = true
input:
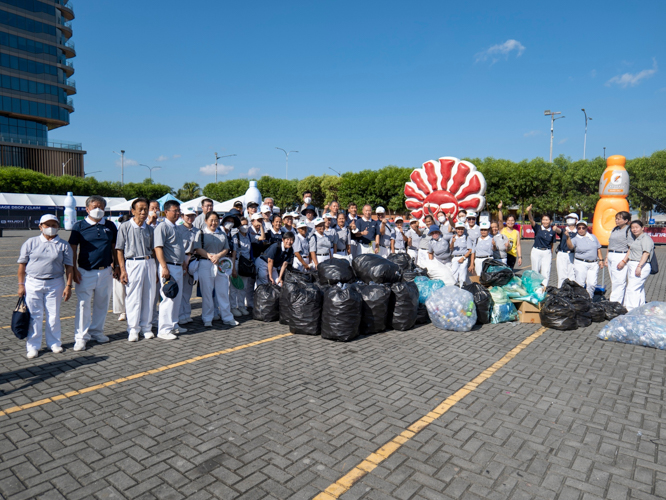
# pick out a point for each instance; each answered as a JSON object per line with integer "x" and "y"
{"x": 26, "y": 24}
{"x": 32, "y": 6}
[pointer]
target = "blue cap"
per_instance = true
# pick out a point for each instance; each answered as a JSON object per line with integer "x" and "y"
{"x": 434, "y": 229}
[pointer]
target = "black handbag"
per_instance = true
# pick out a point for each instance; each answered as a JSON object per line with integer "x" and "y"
{"x": 654, "y": 265}
{"x": 21, "y": 319}
{"x": 246, "y": 267}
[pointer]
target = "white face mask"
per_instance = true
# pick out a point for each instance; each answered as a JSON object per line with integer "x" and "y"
{"x": 308, "y": 200}
{"x": 151, "y": 213}
{"x": 243, "y": 228}
{"x": 228, "y": 226}
{"x": 441, "y": 218}
{"x": 50, "y": 231}
{"x": 96, "y": 213}
{"x": 571, "y": 222}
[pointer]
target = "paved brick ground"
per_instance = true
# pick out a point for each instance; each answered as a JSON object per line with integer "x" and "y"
{"x": 569, "y": 417}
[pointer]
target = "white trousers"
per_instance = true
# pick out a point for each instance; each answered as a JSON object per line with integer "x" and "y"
{"x": 140, "y": 295}
{"x": 170, "y": 308}
{"x": 635, "y": 296}
{"x": 586, "y": 275}
{"x": 185, "y": 303}
{"x": 414, "y": 254}
{"x": 565, "y": 267}
{"x": 618, "y": 277}
{"x": 240, "y": 298}
{"x": 219, "y": 283}
{"x": 384, "y": 252}
{"x": 365, "y": 248}
{"x": 297, "y": 263}
{"x": 43, "y": 298}
{"x": 322, "y": 258}
{"x": 118, "y": 297}
{"x": 262, "y": 272}
{"x": 478, "y": 265}
{"x": 92, "y": 295}
{"x": 459, "y": 270}
{"x": 541, "y": 262}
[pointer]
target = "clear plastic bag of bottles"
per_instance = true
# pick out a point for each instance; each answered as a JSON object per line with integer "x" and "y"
{"x": 645, "y": 326}
{"x": 451, "y": 308}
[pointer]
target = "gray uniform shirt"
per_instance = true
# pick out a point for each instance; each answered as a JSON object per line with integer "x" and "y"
{"x": 620, "y": 239}
{"x": 389, "y": 234}
{"x": 214, "y": 243}
{"x": 425, "y": 239}
{"x": 200, "y": 221}
{"x": 319, "y": 244}
{"x": 474, "y": 233}
{"x": 585, "y": 248}
{"x": 243, "y": 245}
{"x": 168, "y": 236}
{"x": 461, "y": 245}
{"x": 500, "y": 242}
{"x": 483, "y": 247}
{"x": 332, "y": 235}
{"x": 400, "y": 241}
{"x": 301, "y": 246}
{"x": 343, "y": 239}
{"x": 641, "y": 244}
{"x": 441, "y": 248}
{"x": 189, "y": 235}
{"x": 46, "y": 259}
{"x": 416, "y": 239}
{"x": 134, "y": 240}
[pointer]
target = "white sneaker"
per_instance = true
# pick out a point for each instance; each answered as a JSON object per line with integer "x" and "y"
{"x": 101, "y": 339}
{"x": 244, "y": 311}
{"x": 133, "y": 337}
{"x": 32, "y": 353}
{"x": 122, "y": 317}
{"x": 80, "y": 345}
{"x": 166, "y": 336}
{"x": 56, "y": 349}
{"x": 236, "y": 313}
{"x": 208, "y": 324}
{"x": 148, "y": 335}
{"x": 231, "y": 323}
{"x": 180, "y": 329}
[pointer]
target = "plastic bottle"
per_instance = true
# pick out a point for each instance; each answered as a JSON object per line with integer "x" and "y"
{"x": 70, "y": 211}
{"x": 252, "y": 194}
{"x": 613, "y": 189}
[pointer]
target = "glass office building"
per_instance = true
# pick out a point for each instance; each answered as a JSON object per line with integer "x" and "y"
{"x": 36, "y": 85}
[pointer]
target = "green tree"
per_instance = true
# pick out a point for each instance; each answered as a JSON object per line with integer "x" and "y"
{"x": 189, "y": 191}
{"x": 389, "y": 187}
{"x": 647, "y": 177}
{"x": 330, "y": 186}
{"x": 283, "y": 191}
{"x": 358, "y": 187}
{"x": 146, "y": 189}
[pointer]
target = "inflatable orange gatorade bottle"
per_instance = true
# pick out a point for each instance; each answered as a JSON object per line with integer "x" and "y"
{"x": 613, "y": 189}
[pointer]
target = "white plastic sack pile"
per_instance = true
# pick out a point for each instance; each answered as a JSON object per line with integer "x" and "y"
{"x": 438, "y": 271}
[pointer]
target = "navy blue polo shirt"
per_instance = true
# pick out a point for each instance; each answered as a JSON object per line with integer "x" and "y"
{"x": 278, "y": 255}
{"x": 371, "y": 226}
{"x": 275, "y": 237}
{"x": 563, "y": 242}
{"x": 543, "y": 238}
{"x": 96, "y": 243}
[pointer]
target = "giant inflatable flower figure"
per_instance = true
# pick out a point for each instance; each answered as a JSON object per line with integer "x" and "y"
{"x": 446, "y": 185}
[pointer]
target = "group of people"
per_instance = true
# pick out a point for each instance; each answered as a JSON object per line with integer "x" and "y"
{"x": 158, "y": 254}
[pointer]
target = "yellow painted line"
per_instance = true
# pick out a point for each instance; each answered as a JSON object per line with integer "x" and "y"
{"x": 9, "y": 275}
{"x": 13, "y": 295}
{"x": 97, "y": 387}
{"x": 343, "y": 484}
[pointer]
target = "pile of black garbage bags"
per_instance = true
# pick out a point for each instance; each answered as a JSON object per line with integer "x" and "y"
{"x": 570, "y": 307}
{"x": 341, "y": 301}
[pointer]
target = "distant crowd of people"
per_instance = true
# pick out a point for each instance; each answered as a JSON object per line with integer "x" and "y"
{"x": 158, "y": 254}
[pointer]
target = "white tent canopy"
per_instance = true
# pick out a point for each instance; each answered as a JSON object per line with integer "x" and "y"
{"x": 195, "y": 204}
{"x": 225, "y": 206}
{"x": 125, "y": 206}
{"x": 25, "y": 201}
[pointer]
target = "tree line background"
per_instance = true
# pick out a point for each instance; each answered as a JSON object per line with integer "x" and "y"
{"x": 559, "y": 187}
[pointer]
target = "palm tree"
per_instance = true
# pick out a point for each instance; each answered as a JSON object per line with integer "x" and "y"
{"x": 189, "y": 191}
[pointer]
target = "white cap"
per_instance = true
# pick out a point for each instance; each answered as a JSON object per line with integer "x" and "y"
{"x": 484, "y": 225}
{"x": 318, "y": 221}
{"x": 380, "y": 210}
{"x": 48, "y": 217}
{"x": 257, "y": 216}
{"x": 460, "y": 225}
{"x": 572, "y": 216}
{"x": 288, "y": 214}
{"x": 301, "y": 224}
{"x": 581, "y": 222}
{"x": 265, "y": 208}
{"x": 329, "y": 215}
{"x": 398, "y": 218}
{"x": 188, "y": 211}
{"x": 471, "y": 214}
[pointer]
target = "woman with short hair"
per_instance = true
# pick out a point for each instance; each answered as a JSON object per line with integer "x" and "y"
{"x": 618, "y": 245}
{"x": 637, "y": 260}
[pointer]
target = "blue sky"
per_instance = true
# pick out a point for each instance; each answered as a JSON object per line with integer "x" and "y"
{"x": 357, "y": 85}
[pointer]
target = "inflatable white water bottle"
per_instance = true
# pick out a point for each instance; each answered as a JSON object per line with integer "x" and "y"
{"x": 252, "y": 194}
{"x": 70, "y": 211}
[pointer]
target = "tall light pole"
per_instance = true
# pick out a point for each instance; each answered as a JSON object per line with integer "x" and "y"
{"x": 149, "y": 168}
{"x": 287, "y": 158}
{"x": 331, "y": 168}
{"x": 585, "y": 140}
{"x": 85, "y": 174}
{"x": 217, "y": 158}
{"x": 604, "y": 153}
{"x": 552, "y": 122}
{"x": 65, "y": 164}
{"x": 122, "y": 166}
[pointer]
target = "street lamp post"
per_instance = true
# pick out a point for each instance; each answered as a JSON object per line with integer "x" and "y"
{"x": 122, "y": 166}
{"x": 149, "y": 168}
{"x": 217, "y": 158}
{"x": 88, "y": 173}
{"x": 552, "y": 122}
{"x": 585, "y": 140}
{"x": 287, "y": 161}
{"x": 65, "y": 164}
{"x": 331, "y": 168}
{"x": 604, "y": 153}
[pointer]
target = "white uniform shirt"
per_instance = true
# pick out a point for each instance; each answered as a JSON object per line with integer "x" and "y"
{"x": 46, "y": 259}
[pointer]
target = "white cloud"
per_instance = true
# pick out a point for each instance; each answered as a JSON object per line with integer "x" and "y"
{"x": 162, "y": 158}
{"x": 502, "y": 50}
{"x": 221, "y": 169}
{"x": 250, "y": 173}
{"x": 563, "y": 140}
{"x": 128, "y": 162}
{"x": 630, "y": 79}
{"x": 593, "y": 73}
{"x": 532, "y": 133}
{"x": 175, "y": 157}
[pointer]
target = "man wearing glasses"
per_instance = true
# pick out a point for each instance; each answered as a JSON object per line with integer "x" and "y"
{"x": 170, "y": 253}
{"x": 206, "y": 206}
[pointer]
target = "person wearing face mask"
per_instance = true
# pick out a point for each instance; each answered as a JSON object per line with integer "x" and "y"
{"x": 43, "y": 261}
{"x": 461, "y": 249}
{"x": 544, "y": 237}
{"x": 93, "y": 242}
{"x": 206, "y": 207}
{"x": 565, "y": 257}
{"x": 134, "y": 251}
{"x": 307, "y": 200}
{"x": 243, "y": 299}
{"x": 321, "y": 248}
{"x": 483, "y": 249}
{"x": 189, "y": 234}
{"x": 214, "y": 248}
{"x": 386, "y": 234}
{"x": 587, "y": 256}
{"x": 619, "y": 242}
{"x": 154, "y": 214}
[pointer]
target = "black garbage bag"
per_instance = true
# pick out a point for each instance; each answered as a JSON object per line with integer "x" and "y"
{"x": 558, "y": 313}
{"x": 370, "y": 267}
{"x": 374, "y": 308}
{"x": 305, "y": 314}
{"x": 403, "y": 260}
{"x": 341, "y": 315}
{"x": 573, "y": 289}
{"x": 613, "y": 309}
{"x": 410, "y": 275}
{"x": 334, "y": 271}
{"x": 553, "y": 290}
{"x": 581, "y": 306}
{"x": 267, "y": 303}
{"x": 483, "y": 302}
{"x": 597, "y": 312}
{"x": 295, "y": 276}
{"x": 404, "y": 306}
{"x": 288, "y": 289}
{"x": 499, "y": 273}
{"x": 422, "y": 316}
